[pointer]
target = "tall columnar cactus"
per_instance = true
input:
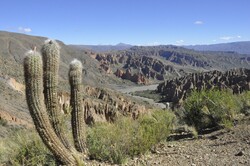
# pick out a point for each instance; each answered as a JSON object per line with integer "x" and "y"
{"x": 77, "y": 114}
{"x": 41, "y": 82}
{"x": 51, "y": 56}
{"x": 34, "y": 93}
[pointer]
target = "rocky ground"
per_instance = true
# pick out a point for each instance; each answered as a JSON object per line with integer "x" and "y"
{"x": 219, "y": 148}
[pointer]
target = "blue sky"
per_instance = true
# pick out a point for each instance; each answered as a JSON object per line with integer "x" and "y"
{"x": 139, "y": 22}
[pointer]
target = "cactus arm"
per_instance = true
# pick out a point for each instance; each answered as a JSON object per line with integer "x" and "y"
{"x": 51, "y": 54}
{"x": 77, "y": 114}
{"x": 34, "y": 93}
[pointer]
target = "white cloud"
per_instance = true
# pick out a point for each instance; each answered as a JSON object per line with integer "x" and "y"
{"x": 230, "y": 37}
{"x": 226, "y": 37}
{"x": 198, "y": 22}
{"x": 150, "y": 44}
{"x": 155, "y": 43}
{"x": 179, "y": 42}
{"x": 24, "y": 30}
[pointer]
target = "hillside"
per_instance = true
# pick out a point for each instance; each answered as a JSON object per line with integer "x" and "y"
{"x": 13, "y": 47}
{"x": 12, "y": 51}
{"x": 239, "y": 47}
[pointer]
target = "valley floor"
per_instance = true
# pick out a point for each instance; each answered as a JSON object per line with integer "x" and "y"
{"x": 129, "y": 90}
{"x": 219, "y": 148}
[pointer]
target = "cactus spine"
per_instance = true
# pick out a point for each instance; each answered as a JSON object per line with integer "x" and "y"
{"x": 41, "y": 80}
{"x": 77, "y": 114}
{"x": 33, "y": 74}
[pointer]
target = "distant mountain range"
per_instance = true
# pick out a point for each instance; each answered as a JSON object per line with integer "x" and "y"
{"x": 242, "y": 47}
{"x": 145, "y": 64}
{"x": 104, "y": 48}
{"x": 104, "y": 62}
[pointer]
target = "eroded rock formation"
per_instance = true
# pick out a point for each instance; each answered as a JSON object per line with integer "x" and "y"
{"x": 102, "y": 105}
{"x": 14, "y": 120}
{"x": 238, "y": 80}
{"x": 138, "y": 69}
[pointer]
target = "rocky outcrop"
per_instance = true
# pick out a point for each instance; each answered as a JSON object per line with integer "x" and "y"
{"x": 238, "y": 80}
{"x": 119, "y": 73}
{"x": 138, "y": 69}
{"x": 12, "y": 83}
{"x": 150, "y": 67}
{"x": 107, "y": 58}
{"x": 183, "y": 59}
{"x": 64, "y": 102}
{"x": 14, "y": 120}
{"x": 16, "y": 85}
{"x": 174, "y": 54}
{"x": 138, "y": 78}
{"x": 102, "y": 105}
{"x": 106, "y": 68}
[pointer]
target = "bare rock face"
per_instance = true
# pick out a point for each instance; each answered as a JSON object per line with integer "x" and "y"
{"x": 119, "y": 73}
{"x": 183, "y": 59}
{"x": 138, "y": 69}
{"x": 106, "y": 68}
{"x": 16, "y": 85}
{"x": 13, "y": 119}
{"x": 107, "y": 105}
{"x": 138, "y": 78}
{"x": 238, "y": 80}
{"x": 64, "y": 102}
{"x": 103, "y": 105}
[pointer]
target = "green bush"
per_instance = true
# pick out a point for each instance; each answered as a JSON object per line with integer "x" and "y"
{"x": 113, "y": 142}
{"x": 245, "y": 101}
{"x": 211, "y": 108}
{"x": 127, "y": 138}
{"x": 24, "y": 147}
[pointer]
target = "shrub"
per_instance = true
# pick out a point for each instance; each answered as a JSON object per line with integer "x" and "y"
{"x": 126, "y": 137}
{"x": 113, "y": 142}
{"x": 245, "y": 101}
{"x": 211, "y": 108}
{"x": 105, "y": 143}
{"x": 25, "y": 148}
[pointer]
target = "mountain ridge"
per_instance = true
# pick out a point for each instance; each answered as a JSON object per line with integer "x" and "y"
{"x": 242, "y": 47}
{"x": 104, "y": 48}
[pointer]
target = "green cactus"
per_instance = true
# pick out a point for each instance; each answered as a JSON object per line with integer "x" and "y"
{"x": 77, "y": 114}
{"x": 41, "y": 81}
{"x": 51, "y": 55}
{"x": 33, "y": 74}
